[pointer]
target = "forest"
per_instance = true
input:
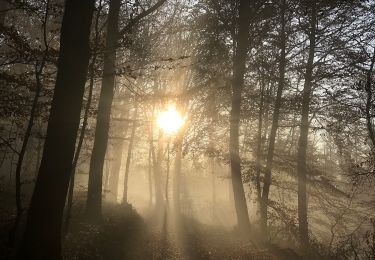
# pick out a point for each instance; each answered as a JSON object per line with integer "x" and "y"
{"x": 187, "y": 129}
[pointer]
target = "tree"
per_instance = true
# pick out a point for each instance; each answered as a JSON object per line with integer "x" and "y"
{"x": 158, "y": 159}
{"x": 304, "y": 131}
{"x": 369, "y": 101}
{"x": 275, "y": 119}
{"x": 84, "y": 121}
{"x": 177, "y": 172}
{"x": 39, "y": 67}
{"x": 42, "y": 237}
{"x": 130, "y": 150}
{"x": 94, "y": 195}
{"x": 239, "y": 66}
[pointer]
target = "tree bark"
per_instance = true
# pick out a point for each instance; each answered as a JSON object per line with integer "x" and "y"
{"x": 42, "y": 237}
{"x": 239, "y": 66}
{"x": 259, "y": 140}
{"x": 107, "y": 169}
{"x": 79, "y": 146}
{"x": 84, "y": 123}
{"x": 369, "y": 103}
{"x": 94, "y": 196}
{"x": 38, "y": 149}
{"x": 303, "y": 139}
{"x": 4, "y": 5}
{"x": 275, "y": 121}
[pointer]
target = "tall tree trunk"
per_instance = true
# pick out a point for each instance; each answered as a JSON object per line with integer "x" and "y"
{"x": 177, "y": 172}
{"x": 157, "y": 159}
{"x": 130, "y": 150}
{"x": 259, "y": 140}
{"x": 114, "y": 176}
{"x": 42, "y": 237}
{"x": 38, "y": 149}
{"x": 107, "y": 169}
{"x": 304, "y": 130}
{"x": 151, "y": 154}
{"x": 275, "y": 121}
{"x": 269, "y": 87}
{"x": 166, "y": 187}
{"x": 149, "y": 170}
{"x": 84, "y": 124}
{"x": 118, "y": 149}
{"x": 79, "y": 147}
{"x": 211, "y": 149}
{"x": 213, "y": 187}
{"x": 94, "y": 196}
{"x": 239, "y": 67}
{"x": 369, "y": 103}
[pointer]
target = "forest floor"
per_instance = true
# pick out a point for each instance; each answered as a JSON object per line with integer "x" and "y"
{"x": 124, "y": 234}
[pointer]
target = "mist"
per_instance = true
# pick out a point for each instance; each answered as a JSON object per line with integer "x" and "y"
{"x": 166, "y": 129}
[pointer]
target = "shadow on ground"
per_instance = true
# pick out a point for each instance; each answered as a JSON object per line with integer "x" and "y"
{"x": 122, "y": 234}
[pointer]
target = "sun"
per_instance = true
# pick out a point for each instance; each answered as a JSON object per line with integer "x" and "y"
{"x": 170, "y": 120}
